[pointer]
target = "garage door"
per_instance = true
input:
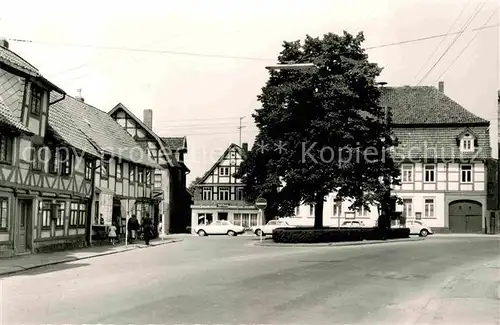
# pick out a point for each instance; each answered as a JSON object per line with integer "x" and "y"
{"x": 466, "y": 217}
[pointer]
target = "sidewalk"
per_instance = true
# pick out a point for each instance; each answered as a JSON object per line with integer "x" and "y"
{"x": 444, "y": 235}
{"x": 32, "y": 261}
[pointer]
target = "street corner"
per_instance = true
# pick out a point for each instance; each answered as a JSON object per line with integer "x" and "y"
{"x": 270, "y": 243}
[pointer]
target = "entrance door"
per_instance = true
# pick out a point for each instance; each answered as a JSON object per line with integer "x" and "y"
{"x": 23, "y": 242}
{"x": 466, "y": 217}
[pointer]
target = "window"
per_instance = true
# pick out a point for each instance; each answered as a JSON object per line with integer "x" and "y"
{"x": 37, "y": 158}
{"x": 36, "y": 100}
{"x": 297, "y": 211}
{"x": 466, "y": 173}
{"x": 207, "y": 193}
{"x": 362, "y": 212}
{"x": 5, "y": 149}
{"x": 467, "y": 143}
{"x": 82, "y": 214}
{"x": 429, "y": 208}
{"x": 311, "y": 209}
{"x": 65, "y": 157}
{"x": 158, "y": 182}
{"x": 53, "y": 161}
{"x": 224, "y": 194}
{"x": 430, "y": 173}
{"x": 408, "y": 207}
{"x": 237, "y": 219}
{"x": 240, "y": 194}
{"x": 104, "y": 169}
{"x": 131, "y": 173}
{"x": 223, "y": 171}
{"x": 140, "y": 175}
{"x": 44, "y": 210}
{"x": 4, "y": 213}
{"x": 337, "y": 208}
{"x": 407, "y": 173}
{"x": 253, "y": 219}
{"x": 88, "y": 169}
{"x": 119, "y": 170}
{"x": 60, "y": 214}
{"x": 73, "y": 216}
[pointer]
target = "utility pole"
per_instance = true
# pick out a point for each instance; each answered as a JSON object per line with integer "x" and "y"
{"x": 241, "y": 127}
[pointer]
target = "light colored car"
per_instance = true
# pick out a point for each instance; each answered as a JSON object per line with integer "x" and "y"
{"x": 268, "y": 228}
{"x": 353, "y": 224}
{"x": 417, "y": 227}
{"x": 219, "y": 227}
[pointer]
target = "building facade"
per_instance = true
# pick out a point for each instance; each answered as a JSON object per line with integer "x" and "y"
{"x": 218, "y": 195}
{"x": 443, "y": 153}
{"x": 169, "y": 180}
{"x": 45, "y": 191}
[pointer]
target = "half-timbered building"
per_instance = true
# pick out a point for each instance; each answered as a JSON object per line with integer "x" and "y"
{"x": 169, "y": 182}
{"x": 44, "y": 189}
{"x": 218, "y": 195}
{"x": 123, "y": 176}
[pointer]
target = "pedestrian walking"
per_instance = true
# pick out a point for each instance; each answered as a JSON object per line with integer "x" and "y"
{"x": 147, "y": 228}
{"x": 133, "y": 227}
{"x": 112, "y": 233}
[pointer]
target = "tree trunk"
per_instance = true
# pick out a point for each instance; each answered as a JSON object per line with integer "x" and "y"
{"x": 384, "y": 219}
{"x": 318, "y": 211}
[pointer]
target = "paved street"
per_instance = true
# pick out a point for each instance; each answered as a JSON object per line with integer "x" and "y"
{"x": 441, "y": 280}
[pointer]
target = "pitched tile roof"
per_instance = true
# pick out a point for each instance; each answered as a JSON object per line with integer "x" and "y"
{"x": 7, "y": 118}
{"x": 99, "y": 128}
{"x": 175, "y": 143}
{"x": 15, "y": 61}
{"x": 166, "y": 151}
{"x": 425, "y": 105}
{"x": 12, "y": 59}
{"x": 430, "y": 143}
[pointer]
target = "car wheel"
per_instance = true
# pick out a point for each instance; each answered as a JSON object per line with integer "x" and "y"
{"x": 424, "y": 233}
{"x": 231, "y": 233}
{"x": 202, "y": 233}
{"x": 259, "y": 232}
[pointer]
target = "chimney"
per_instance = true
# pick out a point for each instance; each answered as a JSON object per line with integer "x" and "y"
{"x": 441, "y": 86}
{"x": 79, "y": 96}
{"x": 148, "y": 118}
{"x": 4, "y": 43}
{"x": 244, "y": 146}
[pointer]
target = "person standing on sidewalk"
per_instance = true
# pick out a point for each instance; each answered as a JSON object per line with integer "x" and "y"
{"x": 147, "y": 228}
{"x": 112, "y": 233}
{"x": 133, "y": 227}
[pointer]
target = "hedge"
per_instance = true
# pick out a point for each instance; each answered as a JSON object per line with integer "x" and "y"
{"x": 326, "y": 235}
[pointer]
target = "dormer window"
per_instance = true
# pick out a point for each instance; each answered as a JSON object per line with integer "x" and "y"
{"x": 467, "y": 142}
{"x": 36, "y": 100}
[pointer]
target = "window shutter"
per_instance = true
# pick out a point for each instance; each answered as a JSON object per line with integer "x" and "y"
{"x": 476, "y": 143}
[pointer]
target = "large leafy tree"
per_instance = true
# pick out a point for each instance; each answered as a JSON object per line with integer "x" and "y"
{"x": 322, "y": 130}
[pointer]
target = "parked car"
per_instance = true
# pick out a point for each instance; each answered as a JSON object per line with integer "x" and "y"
{"x": 418, "y": 227}
{"x": 353, "y": 224}
{"x": 219, "y": 227}
{"x": 268, "y": 228}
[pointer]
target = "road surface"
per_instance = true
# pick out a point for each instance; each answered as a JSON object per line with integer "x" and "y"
{"x": 228, "y": 280}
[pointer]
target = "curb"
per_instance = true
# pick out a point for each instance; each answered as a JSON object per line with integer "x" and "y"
{"x": 358, "y": 243}
{"x": 73, "y": 259}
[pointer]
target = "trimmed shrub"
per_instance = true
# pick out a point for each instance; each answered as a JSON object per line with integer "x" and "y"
{"x": 326, "y": 235}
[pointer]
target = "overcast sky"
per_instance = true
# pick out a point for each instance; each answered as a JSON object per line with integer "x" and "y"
{"x": 202, "y": 96}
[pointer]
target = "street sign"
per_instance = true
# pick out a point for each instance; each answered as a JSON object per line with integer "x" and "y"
{"x": 261, "y": 203}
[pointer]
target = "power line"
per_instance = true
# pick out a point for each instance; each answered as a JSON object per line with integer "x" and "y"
{"x": 442, "y": 39}
{"x": 480, "y": 7}
{"x": 116, "y": 48}
{"x": 466, "y": 46}
{"x": 203, "y": 119}
{"x": 216, "y": 133}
